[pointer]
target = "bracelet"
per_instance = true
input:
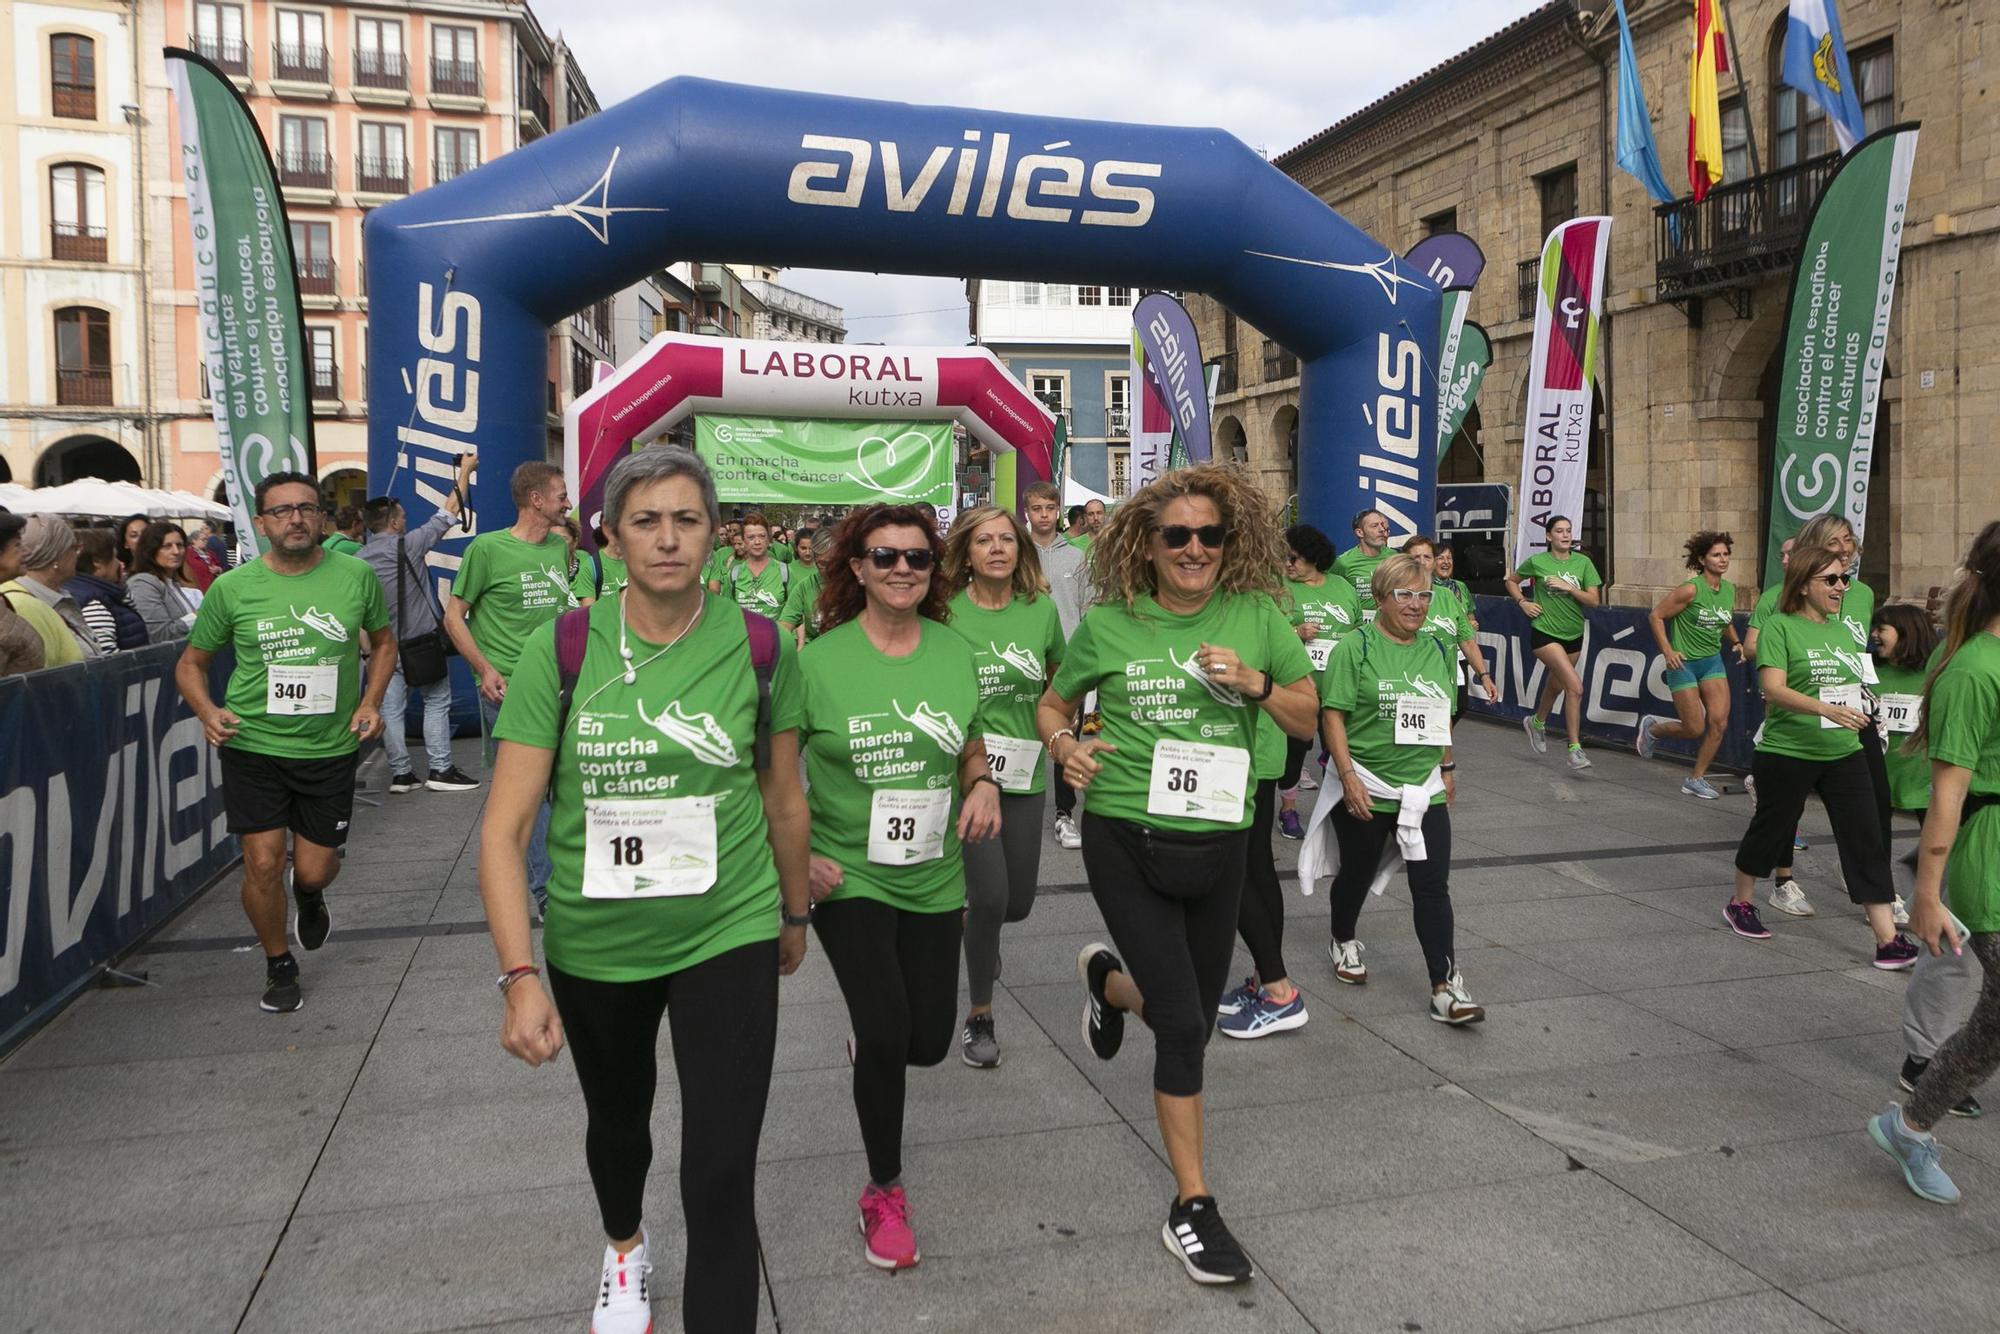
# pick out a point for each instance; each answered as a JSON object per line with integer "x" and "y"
{"x": 513, "y": 975}
{"x": 1343, "y": 774}
{"x": 1050, "y": 744}
{"x": 982, "y": 778}
{"x": 1448, "y": 768}
{"x": 796, "y": 919}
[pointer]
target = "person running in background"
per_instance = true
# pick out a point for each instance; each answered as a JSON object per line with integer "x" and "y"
{"x": 1811, "y": 677}
{"x": 1357, "y": 564}
{"x": 1449, "y": 621}
{"x": 1959, "y": 726}
{"x": 348, "y": 531}
{"x": 898, "y": 783}
{"x": 1442, "y": 569}
{"x": 688, "y": 908}
{"x": 1565, "y": 583}
{"x": 1702, "y": 616}
{"x": 1065, "y": 564}
{"x": 1187, "y": 649}
{"x": 99, "y": 589}
{"x": 800, "y": 617}
{"x": 1323, "y": 611}
{"x": 1003, "y": 611}
{"x": 758, "y": 581}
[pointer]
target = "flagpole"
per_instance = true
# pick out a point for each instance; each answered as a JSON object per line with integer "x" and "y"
{"x": 1736, "y": 68}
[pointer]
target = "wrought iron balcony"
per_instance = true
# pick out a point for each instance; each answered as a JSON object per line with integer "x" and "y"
{"x": 318, "y": 277}
{"x": 381, "y": 69}
{"x": 448, "y": 167}
{"x": 382, "y": 175}
{"x": 535, "y": 101}
{"x": 1279, "y": 363}
{"x": 229, "y": 53}
{"x": 313, "y": 171}
{"x": 74, "y": 241}
{"x": 86, "y": 386}
{"x": 1742, "y": 232}
{"x": 73, "y": 101}
{"x": 1118, "y": 423}
{"x": 299, "y": 63}
{"x": 456, "y": 78}
{"x": 1225, "y": 377}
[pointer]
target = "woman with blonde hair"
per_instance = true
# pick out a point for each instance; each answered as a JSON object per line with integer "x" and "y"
{"x": 1001, "y": 607}
{"x": 1186, "y": 649}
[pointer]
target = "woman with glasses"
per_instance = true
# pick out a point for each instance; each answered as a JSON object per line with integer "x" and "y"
{"x": 1450, "y": 623}
{"x": 1691, "y": 624}
{"x": 1186, "y": 649}
{"x": 1386, "y": 715}
{"x": 1565, "y": 583}
{"x": 158, "y": 584}
{"x": 898, "y": 780}
{"x": 1811, "y": 674}
{"x": 1003, "y": 611}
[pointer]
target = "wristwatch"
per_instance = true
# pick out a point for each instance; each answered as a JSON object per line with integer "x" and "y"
{"x": 803, "y": 919}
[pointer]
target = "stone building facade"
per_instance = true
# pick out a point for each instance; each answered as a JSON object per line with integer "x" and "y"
{"x": 1519, "y": 133}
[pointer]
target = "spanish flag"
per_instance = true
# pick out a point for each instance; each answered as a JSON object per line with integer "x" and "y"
{"x": 1710, "y": 59}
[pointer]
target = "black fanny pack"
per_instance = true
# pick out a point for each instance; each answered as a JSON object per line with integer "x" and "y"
{"x": 1976, "y": 802}
{"x": 1180, "y": 865}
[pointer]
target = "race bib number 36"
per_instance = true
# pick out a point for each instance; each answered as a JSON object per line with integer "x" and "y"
{"x": 1196, "y": 782}
{"x": 906, "y": 827}
{"x": 294, "y": 691}
{"x": 653, "y": 849}
{"x": 1012, "y": 760}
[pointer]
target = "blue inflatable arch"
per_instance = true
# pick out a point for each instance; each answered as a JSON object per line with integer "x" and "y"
{"x": 466, "y": 278}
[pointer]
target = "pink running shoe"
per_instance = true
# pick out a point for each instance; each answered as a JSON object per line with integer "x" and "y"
{"x": 885, "y": 1223}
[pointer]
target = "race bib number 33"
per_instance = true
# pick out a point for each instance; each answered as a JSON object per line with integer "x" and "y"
{"x": 906, "y": 827}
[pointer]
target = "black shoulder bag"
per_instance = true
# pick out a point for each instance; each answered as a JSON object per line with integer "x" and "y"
{"x": 422, "y": 656}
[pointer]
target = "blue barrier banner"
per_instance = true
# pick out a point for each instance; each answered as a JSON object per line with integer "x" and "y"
{"x": 1623, "y": 679}
{"x": 110, "y": 818}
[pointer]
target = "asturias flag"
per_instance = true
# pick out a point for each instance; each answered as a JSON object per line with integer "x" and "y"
{"x": 1816, "y": 65}
{"x": 1637, "y": 153}
{"x": 1710, "y": 59}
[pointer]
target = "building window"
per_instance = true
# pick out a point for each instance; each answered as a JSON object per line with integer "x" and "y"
{"x": 582, "y": 370}
{"x": 1089, "y": 296}
{"x": 1118, "y": 296}
{"x": 1875, "y": 73}
{"x": 1279, "y": 363}
{"x": 1799, "y": 128}
{"x": 1059, "y": 294}
{"x": 301, "y": 51}
{"x": 83, "y": 356}
{"x": 76, "y": 213}
{"x": 1437, "y": 224}
{"x": 1557, "y": 192}
{"x": 1031, "y": 294}
{"x": 201, "y": 379}
{"x": 1118, "y": 406}
{"x": 1735, "y": 140}
{"x": 455, "y": 61}
{"x": 383, "y": 166}
{"x": 302, "y": 155}
{"x": 378, "y": 54}
{"x": 532, "y": 80}
{"x": 649, "y": 319}
{"x": 325, "y": 370}
{"x": 312, "y": 251}
{"x": 1052, "y": 390}
{"x": 454, "y": 152}
{"x": 73, "y": 77}
{"x": 218, "y": 34}
{"x": 1118, "y": 461}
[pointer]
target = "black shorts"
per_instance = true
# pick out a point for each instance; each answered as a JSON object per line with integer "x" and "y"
{"x": 312, "y": 798}
{"x": 1570, "y": 646}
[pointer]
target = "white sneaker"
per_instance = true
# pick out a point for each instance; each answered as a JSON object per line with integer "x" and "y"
{"x": 1538, "y": 735}
{"x": 1347, "y": 965}
{"x": 1899, "y": 911}
{"x": 624, "y": 1299}
{"x": 1307, "y": 783}
{"x": 1643, "y": 740}
{"x": 1067, "y": 835}
{"x": 1454, "y": 1004}
{"x": 1790, "y": 898}
{"x": 1577, "y": 759}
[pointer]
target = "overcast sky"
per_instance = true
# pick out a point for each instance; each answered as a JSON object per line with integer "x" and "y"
{"x": 1272, "y": 73}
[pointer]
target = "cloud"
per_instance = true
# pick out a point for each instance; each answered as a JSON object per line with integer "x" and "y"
{"x": 1272, "y": 74}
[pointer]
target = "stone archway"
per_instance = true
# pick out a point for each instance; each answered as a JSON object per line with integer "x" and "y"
{"x": 79, "y": 456}
{"x": 1232, "y": 445}
{"x": 344, "y": 485}
{"x": 1285, "y": 446}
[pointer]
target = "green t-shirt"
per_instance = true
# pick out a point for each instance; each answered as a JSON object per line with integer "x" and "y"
{"x": 1357, "y": 567}
{"x": 1330, "y": 605}
{"x": 1448, "y": 623}
{"x": 297, "y": 636}
{"x": 1857, "y": 609}
{"x": 1816, "y": 656}
{"x": 762, "y": 593}
{"x": 782, "y": 551}
{"x": 1909, "y": 775}
{"x": 1766, "y": 608}
{"x": 802, "y": 601}
{"x": 718, "y": 562}
{"x": 1079, "y": 539}
{"x": 1696, "y": 630}
{"x": 1368, "y": 675}
{"x": 1470, "y": 621}
{"x": 340, "y": 543}
{"x": 1556, "y": 584}
{"x": 873, "y": 724}
{"x": 686, "y": 729}
{"x": 510, "y": 587}
{"x": 1141, "y": 664}
{"x": 1013, "y": 650}
{"x": 1965, "y": 731}
{"x": 601, "y": 575}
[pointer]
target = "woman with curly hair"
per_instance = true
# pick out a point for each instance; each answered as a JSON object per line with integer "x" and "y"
{"x": 1691, "y": 624}
{"x": 893, "y": 754}
{"x": 1186, "y": 649}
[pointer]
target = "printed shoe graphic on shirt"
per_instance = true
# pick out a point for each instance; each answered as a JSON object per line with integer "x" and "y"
{"x": 321, "y": 622}
{"x": 1021, "y": 659}
{"x": 1429, "y": 689}
{"x": 937, "y": 726}
{"x": 1222, "y": 695}
{"x": 561, "y": 585}
{"x": 699, "y": 732}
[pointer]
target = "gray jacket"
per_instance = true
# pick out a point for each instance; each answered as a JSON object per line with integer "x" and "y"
{"x": 1067, "y": 568}
{"x": 164, "y": 607}
{"x": 418, "y": 614}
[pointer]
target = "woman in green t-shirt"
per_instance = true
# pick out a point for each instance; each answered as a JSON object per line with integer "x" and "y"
{"x": 679, "y": 886}
{"x": 1443, "y": 567}
{"x": 1811, "y": 674}
{"x": 1323, "y": 611}
{"x": 1959, "y": 725}
{"x": 800, "y": 618}
{"x": 1186, "y": 649}
{"x": 1565, "y": 582}
{"x": 1003, "y": 611}
{"x": 898, "y": 780}
{"x": 1385, "y": 711}
{"x": 1691, "y": 624}
{"x": 1450, "y": 622}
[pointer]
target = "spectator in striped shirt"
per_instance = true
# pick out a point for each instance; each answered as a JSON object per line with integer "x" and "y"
{"x": 99, "y": 589}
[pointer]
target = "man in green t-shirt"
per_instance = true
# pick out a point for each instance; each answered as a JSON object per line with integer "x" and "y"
{"x": 1357, "y": 563}
{"x": 349, "y": 531}
{"x": 757, "y": 581}
{"x": 295, "y": 714}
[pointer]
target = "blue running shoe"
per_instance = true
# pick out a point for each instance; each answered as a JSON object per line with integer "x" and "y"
{"x": 1917, "y": 1155}
{"x": 1263, "y": 1016}
{"x": 1238, "y": 997}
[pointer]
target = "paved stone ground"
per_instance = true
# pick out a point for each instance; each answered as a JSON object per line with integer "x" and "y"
{"x": 1659, "y": 1128}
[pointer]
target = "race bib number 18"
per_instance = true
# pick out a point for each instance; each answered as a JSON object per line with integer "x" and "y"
{"x": 652, "y": 849}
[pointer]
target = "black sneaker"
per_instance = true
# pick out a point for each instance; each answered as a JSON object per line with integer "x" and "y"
{"x": 404, "y": 782}
{"x": 450, "y": 779}
{"x": 1103, "y": 1022}
{"x": 1200, "y": 1240}
{"x": 979, "y": 1045}
{"x": 281, "y": 987}
{"x": 1967, "y": 1108}
{"x": 311, "y": 922}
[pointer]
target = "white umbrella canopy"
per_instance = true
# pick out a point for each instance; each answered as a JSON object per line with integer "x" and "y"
{"x": 93, "y": 498}
{"x": 16, "y": 498}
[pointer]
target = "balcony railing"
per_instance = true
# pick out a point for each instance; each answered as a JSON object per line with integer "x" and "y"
{"x": 313, "y": 171}
{"x": 325, "y": 379}
{"x": 381, "y": 175}
{"x": 1118, "y": 423}
{"x": 534, "y": 100}
{"x": 1279, "y": 364}
{"x": 445, "y": 168}
{"x": 381, "y": 69}
{"x": 1528, "y": 284}
{"x": 318, "y": 277}
{"x": 299, "y": 63}
{"x": 73, "y": 102}
{"x": 1741, "y": 232}
{"x": 229, "y": 53}
{"x": 456, "y": 78}
{"x": 74, "y": 241}
{"x": 1225, "y": 377}
{"x": 87, "y": 387}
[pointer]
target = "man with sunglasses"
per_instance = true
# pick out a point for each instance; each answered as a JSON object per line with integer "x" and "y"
{"x": 294, "y": 716}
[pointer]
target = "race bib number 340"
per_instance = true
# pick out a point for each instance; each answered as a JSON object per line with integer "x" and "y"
{"x": 1196, "y": 782}
{"x": 295, "y": 691}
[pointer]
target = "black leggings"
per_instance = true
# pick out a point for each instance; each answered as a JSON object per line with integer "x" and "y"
{"x": 1176, "y": 946}
{"x": 1295, "y": 762}
{"x": 1362, "y": 843}
{"x": 1878, "y": 774}
{"x": 723, "y": 1017}
{"x": 899, "y": 974}
{"x": 1260, "y": 919}
{"x": 1850, "y": 794}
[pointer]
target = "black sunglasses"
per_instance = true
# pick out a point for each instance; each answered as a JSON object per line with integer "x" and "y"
{"x": 885, "y": 558}
{"x": 1835, "y": 580}
{"x": 1177, "y": 535}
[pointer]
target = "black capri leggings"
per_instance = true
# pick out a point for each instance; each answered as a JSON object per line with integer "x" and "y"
{"x": 1362, "y": 843}
{"x": 1176, "y": 944}
{"x": 1848, "y": 789}
{"x": 1260, "y": 919}
{"x": 1295, "y": 762}
{"x": 723, "y": 1017}
{"x": 899, "y": 974}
